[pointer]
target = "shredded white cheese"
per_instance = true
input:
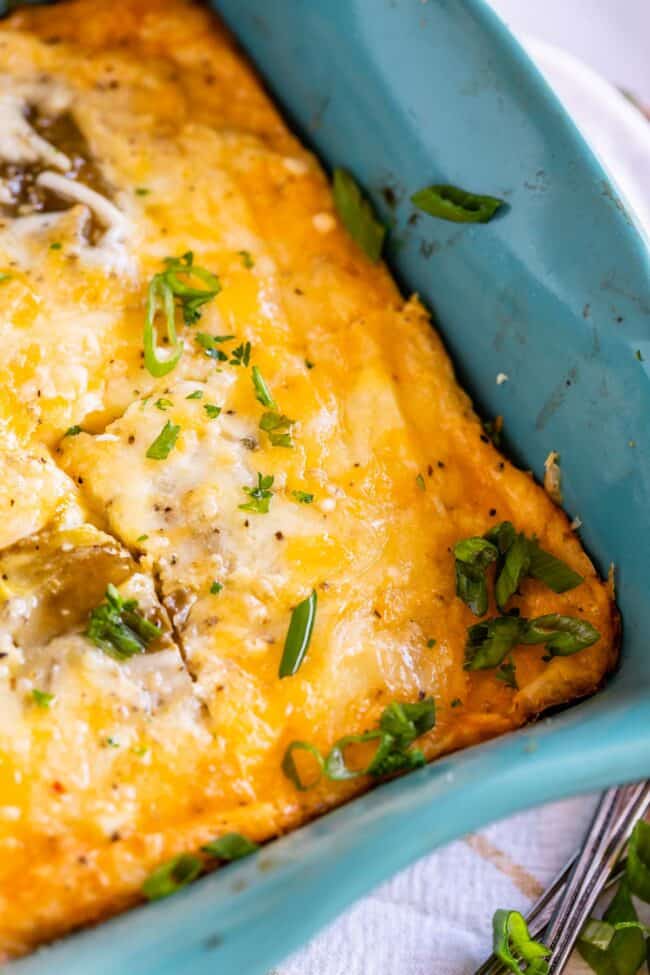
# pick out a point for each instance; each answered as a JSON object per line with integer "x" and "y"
{"x": 19, "y": 143}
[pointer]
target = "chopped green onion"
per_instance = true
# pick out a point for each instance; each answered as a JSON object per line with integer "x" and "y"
{"x": 400, "y": 724}
{"x": 4, "y": 276}
{"x": 302, "y": 497}
{"x": 160, "y": 297}
{"x": 638, "y": 861}
{"x": 216, "y": 588}
{"x": 260, "y": 495}
{"x": 562, "y": 635}
{"x": 290, "y": 769}
{"x": 73, "y": 431}
{"x": 514, "y": 946}
{"x": 118, "y": 627}
{"x": 507, "y": 675}
{"x": 298, "y": 636}
{"x": 212, "y": 410}
{"x": 357, "y": 215}
{"x": 42, "y": 699}
{"x": 197, "y": 394}
{"x": 262, "y": 392}
{"x": 172, "y": 876}
{"x": 550, "y": 570}
{"x": 615, "y": 945}
{"x": 490, "y": 641}
{"x": 451, "y": 203}
{"x": 163, "y": 404}
{"x": 231, "y": 846}
{"x": 164, "y": 442}
{"x": 515, "y": 567}
{"x": 473, "y": 555}
{"x": 167, "y": 289}
{"x": 56, "y": 246}
{"x": 419, "y": 480}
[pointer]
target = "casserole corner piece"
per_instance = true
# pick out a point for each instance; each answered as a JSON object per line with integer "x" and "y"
{"x": 257, "y": 552}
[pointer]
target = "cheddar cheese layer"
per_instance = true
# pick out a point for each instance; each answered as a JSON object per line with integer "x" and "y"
{"x": 213, "y": 408}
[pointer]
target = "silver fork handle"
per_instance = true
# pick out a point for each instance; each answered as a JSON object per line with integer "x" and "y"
{"x": 547, "y": 905}
{"x": 588, "y": 879}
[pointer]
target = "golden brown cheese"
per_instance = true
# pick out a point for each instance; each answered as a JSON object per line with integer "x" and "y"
{"x": 135, "y": 761}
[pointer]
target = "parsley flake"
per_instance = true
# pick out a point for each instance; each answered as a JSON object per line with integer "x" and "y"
{"x": 216, "y": 588}
{"x": 260, "y": 495}
{"x": 302, "y": 497}
{"x": 42, "y": 699}
{"x": 164, "y": 443}
{"x": 278, "y": 428}
{"x": 241, "y": 356}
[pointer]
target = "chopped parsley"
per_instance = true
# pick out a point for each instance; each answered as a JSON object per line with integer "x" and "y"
{"x": 164, "y": 442}
{"x": 303, "y": 497}
{"x": 163, "y": 404}
{"x": 118, "y": 627}
{"x": 241, "y": 356}
{"x": 168, "y": 290}
{"x": 216, "y": 588}
{"x": 142, "y": 538}
{"x": 357, "y": 215}
{"x": 73, "y": 431}
{"x": 278, "y": 428}
{"x": 210, "y": 345}
{"x": 42, "y": 699}
{"x": 431, "y": 643}
{"x": 260, "y": 495}
{"x": 56, "y": 246}
{"x": 212, "y": 410}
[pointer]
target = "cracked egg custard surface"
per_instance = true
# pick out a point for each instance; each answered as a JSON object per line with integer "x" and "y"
{"x": 256, "y": 551}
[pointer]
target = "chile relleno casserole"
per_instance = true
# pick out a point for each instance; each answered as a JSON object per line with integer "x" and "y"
{"x": 256, "y": 551}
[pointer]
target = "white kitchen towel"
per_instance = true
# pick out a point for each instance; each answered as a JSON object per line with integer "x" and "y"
{"x": 435, "y": 918}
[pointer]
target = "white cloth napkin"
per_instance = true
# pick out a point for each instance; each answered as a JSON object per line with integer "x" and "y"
{"x": 435, "y": 918}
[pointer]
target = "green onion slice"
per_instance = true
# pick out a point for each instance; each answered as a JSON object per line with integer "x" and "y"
{"x": 298, "y": 636}
{"x": 290, "y": 769}
{"x": 514, "y": 946}
{"x": 230, "y": 846}
{"x": 452, "y": 203}
{"x": 357, "y": 215}
{"x": 172, "y": 876}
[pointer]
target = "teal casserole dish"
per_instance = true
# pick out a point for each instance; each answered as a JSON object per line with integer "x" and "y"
{"x": 555, "y": 293}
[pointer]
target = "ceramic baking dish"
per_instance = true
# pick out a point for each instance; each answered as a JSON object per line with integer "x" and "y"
{"x": 556, "y": 294}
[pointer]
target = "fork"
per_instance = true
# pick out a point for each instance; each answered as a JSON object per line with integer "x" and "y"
{"x": 593, "y": 867}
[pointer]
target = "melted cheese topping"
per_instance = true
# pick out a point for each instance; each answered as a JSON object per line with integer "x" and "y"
{"x": 134, "y": 761}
